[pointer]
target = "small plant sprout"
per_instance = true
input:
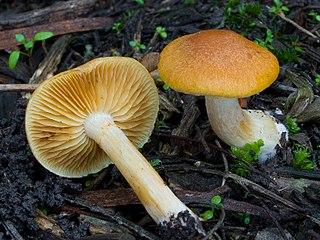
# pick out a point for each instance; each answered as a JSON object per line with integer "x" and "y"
{"x": 266, "y": 42}
{"x": 301, "y": 157}
{"x": 117, "y": 26}
{"x": 44, "y": 211}
{"x": 155, "y": 162}
{"x": 164, "y": 86}
{"x": 245, "y": 216}
{"x": 137, "y": 44}
{"x": 215, "y": 204}
{"x": 314, "y": 15}
{"x": 292, "y": 125}
{"x": 161, "y": 31}
{"x": 317, "y": 79}
{"x": 161, "y": 123}
{"x": 278, "y": 8}
{"x": 243, "y": 15}
{"x": 249, "y": 153}
{"x": 139, "y": 2}
{"x": 28, "y": 46}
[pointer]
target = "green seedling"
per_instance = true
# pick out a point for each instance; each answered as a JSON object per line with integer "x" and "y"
{"x": 317, "y": 79}
{"x": 231, "y": 5}
{"x": 292, "y": 125}
{"x": 161, "y": 123}
{"x": 164, "y": 86}
{"x": 249, "y": 153}
{"x": 266, "y": 43}
{"x": 278, "y": 8}
{"x": 251, "y": 9}
{"x": 137, "y": 44}
{"x": 28, "y": 46}
{"x": 139, "y": 2}
{"x": 314, "y": 15}
{"x": 215, "y": 205}
{"x": 246, "y": 217}
{"x": 44, "y": 211}
{"x": 161, "y": 31}
{"x": 287, "y": 55}
{"x": 243, "y": 16}
{"x": 155, "y": 162}
{"x": 301, "y": 157}
{"x": 117, "y": 26}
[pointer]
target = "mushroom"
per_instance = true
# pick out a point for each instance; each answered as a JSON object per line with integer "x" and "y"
{"x": 225, "y": 66}
{"x": 81, "y": 120}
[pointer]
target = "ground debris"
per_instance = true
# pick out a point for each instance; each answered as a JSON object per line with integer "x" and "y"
{"x": 25, "y": 185}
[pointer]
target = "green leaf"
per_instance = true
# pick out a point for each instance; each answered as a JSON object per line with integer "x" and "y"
{"x": 133, "y": 43}
{"x": 277, "y": 3}
{"x": 28, "y": 44}
{"x": 246, "y": 220}
{"x": 88, "y": 183}
{"x": 142, "y": 46}
{"x": 44, "y": 211}
{"x": 285, "y": 8}
{"x": 207, "y": 215}
{"x": 40, "y": 36}
{"x": 140, "y": 2}
{"x": 13, "y": 59}
{"x": 155, "y": 162}
{"x": 216, "y": 200}
{"x": 20, "y": 37}
{"x": 272, "y": 9}
{"x": 165, "y": 87}
{"x": 163, "y": 34}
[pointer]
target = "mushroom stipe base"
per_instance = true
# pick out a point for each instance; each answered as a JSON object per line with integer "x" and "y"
{"x": 180, "y": 227}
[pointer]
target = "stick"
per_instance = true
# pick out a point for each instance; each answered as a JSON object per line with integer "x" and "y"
{"x": 8, "y": 40}
{"x": 18, "y": 87}
{"x": 58, "y": 11}
{"x": 120, "y": 220}
{"x": 281, "y": 14}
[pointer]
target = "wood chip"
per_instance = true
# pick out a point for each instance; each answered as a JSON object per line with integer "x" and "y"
{"x": 8, "y": 40}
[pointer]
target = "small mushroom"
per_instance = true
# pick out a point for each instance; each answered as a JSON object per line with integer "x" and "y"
{"x": 81, "y": 120}
{"x": 225, "y": 66}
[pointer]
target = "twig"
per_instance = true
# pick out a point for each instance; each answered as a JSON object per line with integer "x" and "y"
{"x": 285, "y": 237}
{"x": 191, "y": 142}
{"x": 126, "y": 196}
{"x": 225, "y": 163}
{"x": 13, "y": 232}
{"x": 286, "y": 171}
{"x": 266, "y": 192}
{"x": 50, "y": 63}
{"x": 18, "y": 87}
{"x": 281, "y": 14}
{"x": 120, "y": 220}
{"x": 216, "y": 226}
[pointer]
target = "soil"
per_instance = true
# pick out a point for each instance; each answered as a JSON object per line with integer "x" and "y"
{"x": 270, "y": 198}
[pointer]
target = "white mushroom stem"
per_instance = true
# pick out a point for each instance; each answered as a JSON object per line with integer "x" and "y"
{"x": 159, "y": 201}
{"x": 236, "y": 126}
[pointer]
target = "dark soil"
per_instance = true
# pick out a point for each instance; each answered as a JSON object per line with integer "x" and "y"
{"x": 277, "y": 198}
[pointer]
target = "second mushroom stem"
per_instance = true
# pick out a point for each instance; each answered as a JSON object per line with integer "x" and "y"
{"x": 157, "y": 198}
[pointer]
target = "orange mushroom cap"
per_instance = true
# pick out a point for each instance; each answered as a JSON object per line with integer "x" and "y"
{"x": 217, "y": 62}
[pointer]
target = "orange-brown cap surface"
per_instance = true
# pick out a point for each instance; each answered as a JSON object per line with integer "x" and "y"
{"x": 57, "y": 110}
{"x": 217, "y": 62}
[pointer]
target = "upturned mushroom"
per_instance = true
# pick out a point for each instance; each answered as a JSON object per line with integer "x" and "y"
{"x": 81, "y": 120}
{"x": 225, "y": 66}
